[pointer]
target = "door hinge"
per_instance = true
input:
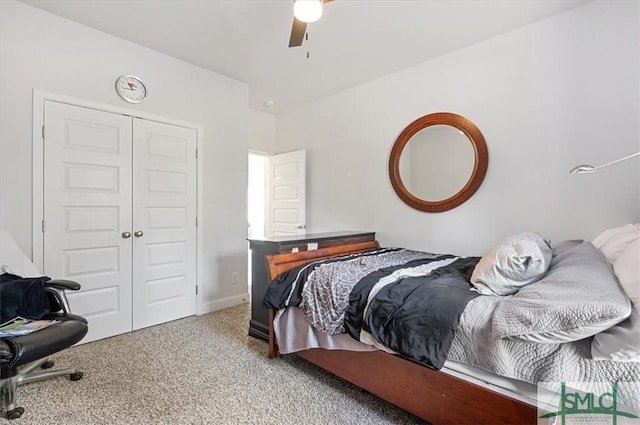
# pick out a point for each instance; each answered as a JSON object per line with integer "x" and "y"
{"x": 196, "y": 289}
{"x": 43, "y": 132}
{"x": 43, "y": 226}
{"x": 196, "y": 153}
{"x": 196, "y": 221}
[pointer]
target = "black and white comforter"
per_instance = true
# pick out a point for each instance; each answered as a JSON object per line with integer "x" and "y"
{"x": 407, "y": 301}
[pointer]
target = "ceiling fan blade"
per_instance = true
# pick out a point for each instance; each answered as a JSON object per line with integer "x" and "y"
{"x": 297, "y": 33}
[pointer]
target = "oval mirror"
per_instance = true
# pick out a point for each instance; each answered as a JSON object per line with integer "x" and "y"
{"x": 438, "y": 162}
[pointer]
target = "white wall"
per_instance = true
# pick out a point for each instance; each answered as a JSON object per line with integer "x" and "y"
{"x": 549, "y": 96}
{"x": 262, "y": 131}
{"x": 39, "y": 50}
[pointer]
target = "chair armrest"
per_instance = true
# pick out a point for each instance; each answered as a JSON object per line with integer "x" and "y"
{"x": 63, "y": 284}
{"x": 6, "y": 354}
{"x": 56, "y": 288}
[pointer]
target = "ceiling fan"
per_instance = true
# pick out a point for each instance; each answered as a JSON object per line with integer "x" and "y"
{"x": 304, "y": 12}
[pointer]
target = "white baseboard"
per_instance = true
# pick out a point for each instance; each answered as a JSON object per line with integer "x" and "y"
{"x": 222, "y": 303}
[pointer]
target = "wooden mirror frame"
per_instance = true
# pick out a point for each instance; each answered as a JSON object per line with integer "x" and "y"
{"x": 480, "y": 166}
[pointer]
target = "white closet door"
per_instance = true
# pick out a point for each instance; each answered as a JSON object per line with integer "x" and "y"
{"x": 87, "y": 207}
{"x": 164, "y": 210}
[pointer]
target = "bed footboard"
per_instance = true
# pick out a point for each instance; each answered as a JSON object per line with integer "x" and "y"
{"x": 280, "y": 263}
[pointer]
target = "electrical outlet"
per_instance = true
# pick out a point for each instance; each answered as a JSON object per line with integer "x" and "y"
{"x": 235, "y": 278}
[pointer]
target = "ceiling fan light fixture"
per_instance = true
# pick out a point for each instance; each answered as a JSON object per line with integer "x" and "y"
{"x": 307, "y": 10}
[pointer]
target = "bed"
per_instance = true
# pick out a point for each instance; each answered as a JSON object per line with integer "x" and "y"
{"x": 465, "y": 390}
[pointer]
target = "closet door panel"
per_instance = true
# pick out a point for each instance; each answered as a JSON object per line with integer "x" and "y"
{"x": 87, "y": 206}
{"x": 164, "y": 216}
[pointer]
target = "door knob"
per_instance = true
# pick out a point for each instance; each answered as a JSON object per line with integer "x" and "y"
{"x": 126, "y": 235}
{"x": 138, "y": 233}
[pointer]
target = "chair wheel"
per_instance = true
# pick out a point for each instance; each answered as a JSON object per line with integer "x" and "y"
{"x": 48, "y": 364}
{"x": 14, "y": 413}
{"x": 76, "y": 376}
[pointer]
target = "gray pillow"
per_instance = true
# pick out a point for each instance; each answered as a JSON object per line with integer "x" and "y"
{"x": 515, "y": 262}
{"x": 579, "y": 296}
{"x": 562, "y": 246}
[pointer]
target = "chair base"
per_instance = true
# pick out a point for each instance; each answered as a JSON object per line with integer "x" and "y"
{"x": 25, "y": 375}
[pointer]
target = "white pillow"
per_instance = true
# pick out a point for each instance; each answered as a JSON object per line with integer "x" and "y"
{"x": 517, "y": 261}
{"x": 608, "y": 234}
{"x": 612, "y": 242}
{"x": 627, "y": 270}
{"x": 620, "y": 343}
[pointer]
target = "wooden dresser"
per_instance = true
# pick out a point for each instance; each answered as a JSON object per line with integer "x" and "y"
{"x": 259, "y": 325}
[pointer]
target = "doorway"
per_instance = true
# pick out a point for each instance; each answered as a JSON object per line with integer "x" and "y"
{"x": 256, "y": 204}
{"x": 276, "y": 203}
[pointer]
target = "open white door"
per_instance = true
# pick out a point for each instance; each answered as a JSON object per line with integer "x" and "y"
{"x": 286, "y": 194}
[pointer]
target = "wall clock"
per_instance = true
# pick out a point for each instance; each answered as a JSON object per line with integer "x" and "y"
{"x": 131, "y": 89}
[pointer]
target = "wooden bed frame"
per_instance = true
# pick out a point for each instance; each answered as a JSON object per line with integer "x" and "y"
{"x": 434, "y": 396}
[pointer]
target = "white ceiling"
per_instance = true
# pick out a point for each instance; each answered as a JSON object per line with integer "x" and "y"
{"x": 354, "y": 42}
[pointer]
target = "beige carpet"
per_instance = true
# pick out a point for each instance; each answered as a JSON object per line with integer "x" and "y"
{"x": 198, "y": 370}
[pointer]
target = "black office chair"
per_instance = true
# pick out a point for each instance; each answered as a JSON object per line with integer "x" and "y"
{"x": 22, "y": 357}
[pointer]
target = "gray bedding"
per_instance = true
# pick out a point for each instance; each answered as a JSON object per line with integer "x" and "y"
{"x": 474, "y": 344}
{"x": 578, "y": 297}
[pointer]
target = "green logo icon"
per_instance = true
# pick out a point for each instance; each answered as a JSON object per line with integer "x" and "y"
{"x": 588, "y": 403}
